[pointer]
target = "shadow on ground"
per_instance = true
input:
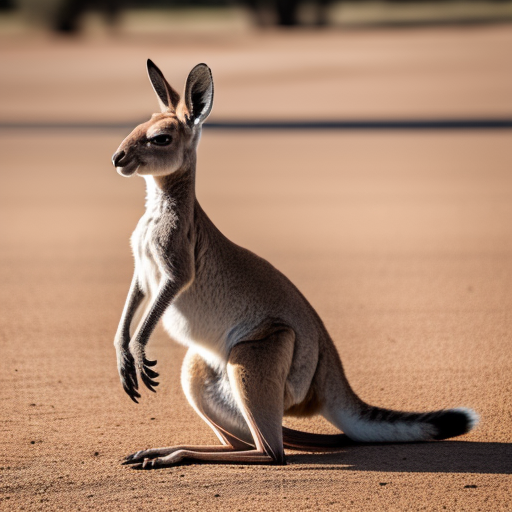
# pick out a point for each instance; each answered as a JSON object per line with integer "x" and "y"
{"x": 440, "y": 457}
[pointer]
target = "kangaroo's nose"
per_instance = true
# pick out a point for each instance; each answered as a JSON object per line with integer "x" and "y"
{"x": 117, "y": 157}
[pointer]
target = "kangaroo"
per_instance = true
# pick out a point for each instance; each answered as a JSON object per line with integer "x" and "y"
{"x": 257, "y": 350}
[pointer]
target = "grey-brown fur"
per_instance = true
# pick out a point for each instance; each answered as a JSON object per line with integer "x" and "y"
{"x": 257, "y": 349}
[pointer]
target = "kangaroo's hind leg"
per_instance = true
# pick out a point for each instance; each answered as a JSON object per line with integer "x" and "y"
{"x": 257, "y": 372}
{"x": 204, "y": 389}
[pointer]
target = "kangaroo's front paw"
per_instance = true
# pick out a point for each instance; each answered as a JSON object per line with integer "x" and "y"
{"x": 128, "y": 375}
{"x": 144, "y": 366}
{"x": 147, "y": 374}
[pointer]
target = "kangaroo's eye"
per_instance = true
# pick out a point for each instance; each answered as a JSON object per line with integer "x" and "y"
{"x": 161, "y": 140}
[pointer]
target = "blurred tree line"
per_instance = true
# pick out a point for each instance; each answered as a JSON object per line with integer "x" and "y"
{"x": 66, "y": 14}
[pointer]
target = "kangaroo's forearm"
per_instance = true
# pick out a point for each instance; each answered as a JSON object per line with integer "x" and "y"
{"x": 165, "y": 296}
{"x": 133, "y": 302}
{"x": 134, "y": 354}
{"x": 131, "y": 353}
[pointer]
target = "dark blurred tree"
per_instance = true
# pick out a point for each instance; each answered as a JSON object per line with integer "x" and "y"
{"x": 70, "y": 11}
{"x": 6, "y": 5}
{"x": 285, "y": 12}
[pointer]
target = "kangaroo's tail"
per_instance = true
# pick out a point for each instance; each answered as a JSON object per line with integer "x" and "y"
{"x": 297, "y": 440}
{"x": 363, "y": 423}
{"x": 376, "y": 425}
{"x": 371, "y": 424}
{"x": 383, "y": 425}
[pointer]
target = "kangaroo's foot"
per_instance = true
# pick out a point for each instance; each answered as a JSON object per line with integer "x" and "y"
{"x": 154, "y": 453}
{"x": 205, "y": 454}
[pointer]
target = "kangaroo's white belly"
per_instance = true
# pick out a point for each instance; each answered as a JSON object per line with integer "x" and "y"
{"x": 193, "y": 328}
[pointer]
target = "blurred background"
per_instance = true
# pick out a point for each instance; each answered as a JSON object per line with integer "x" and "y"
{"x": 364, "y": 148}
{"x": 69, "y": 15}
{"x": 358, "y": 59}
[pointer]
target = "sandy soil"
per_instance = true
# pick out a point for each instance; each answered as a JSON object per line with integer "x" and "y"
{"x": 401, "y": 240}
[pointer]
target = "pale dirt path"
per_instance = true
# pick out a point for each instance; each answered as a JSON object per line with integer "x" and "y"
{"x": 402, "y": 241}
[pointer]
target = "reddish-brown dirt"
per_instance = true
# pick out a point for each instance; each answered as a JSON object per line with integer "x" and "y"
{"x": 401, "y": 240}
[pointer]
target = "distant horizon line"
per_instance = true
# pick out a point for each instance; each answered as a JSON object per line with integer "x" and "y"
{"x": 479, "y": 123}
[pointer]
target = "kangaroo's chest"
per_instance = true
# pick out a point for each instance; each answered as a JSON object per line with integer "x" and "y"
{"x": 144, "y": 243}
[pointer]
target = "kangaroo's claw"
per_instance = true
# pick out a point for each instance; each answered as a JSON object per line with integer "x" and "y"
{"x": 132, "y": 458}
{"x": 132, "y": 393}
{"x": 150, "y": 373}
{"x": 148, "y": 382}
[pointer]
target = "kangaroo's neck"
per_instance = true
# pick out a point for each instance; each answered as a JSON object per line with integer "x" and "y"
{"x": 174, "y": 193}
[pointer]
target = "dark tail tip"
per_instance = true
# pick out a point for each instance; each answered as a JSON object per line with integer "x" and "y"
{"x": 453, "y": 422}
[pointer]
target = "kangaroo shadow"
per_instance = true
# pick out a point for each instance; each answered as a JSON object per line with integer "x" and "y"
{"x": 434, "y": 457}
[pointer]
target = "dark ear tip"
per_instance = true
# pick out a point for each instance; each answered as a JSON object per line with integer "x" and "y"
{"x": 202, "y": 66}
{"x": 153, "y": 69}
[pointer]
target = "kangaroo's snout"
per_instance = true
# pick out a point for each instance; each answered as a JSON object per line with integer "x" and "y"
{"x": 117, "y": 157}
{"x": 125, "y": 162}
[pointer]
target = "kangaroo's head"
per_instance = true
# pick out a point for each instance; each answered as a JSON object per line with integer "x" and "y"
{"x": 163, "y": 144}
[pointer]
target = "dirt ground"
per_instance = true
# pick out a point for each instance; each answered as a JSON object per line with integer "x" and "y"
{"x": 401, "y": 240}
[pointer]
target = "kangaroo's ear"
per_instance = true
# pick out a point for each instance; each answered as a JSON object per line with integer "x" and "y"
{"x": 199, "y": 94}
{"x": 168, "y": 98}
